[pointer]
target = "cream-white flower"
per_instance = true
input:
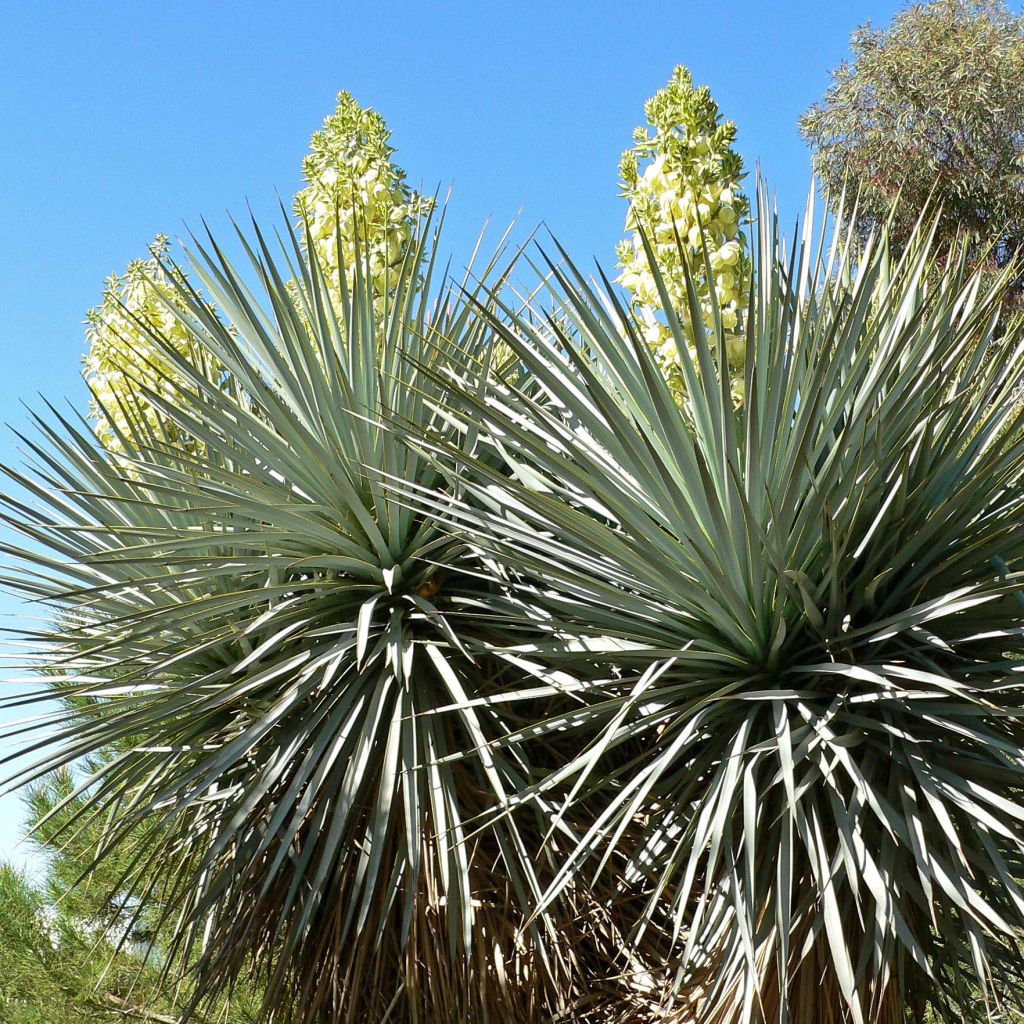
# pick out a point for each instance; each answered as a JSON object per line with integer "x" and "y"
{"x": 356, "y": 193}
{"x": 689, "y": 190}
{"x": 126, "y": 332}
{"x": 353, "y": 195}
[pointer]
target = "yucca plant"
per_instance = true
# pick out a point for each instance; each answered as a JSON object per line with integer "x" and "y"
{"x": 278, "y": 658}
{"x": 792, "y": 615}
{"x": 460, "y": 672}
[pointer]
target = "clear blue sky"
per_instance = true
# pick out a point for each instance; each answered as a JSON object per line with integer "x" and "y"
{"x": 124, "y": 119}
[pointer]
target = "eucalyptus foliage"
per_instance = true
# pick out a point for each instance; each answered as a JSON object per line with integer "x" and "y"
{"x": 930, "y": 107}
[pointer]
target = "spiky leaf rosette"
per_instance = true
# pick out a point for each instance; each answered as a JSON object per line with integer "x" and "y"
{"x": 797, "y": 623}
{"x": 278, "y": 659}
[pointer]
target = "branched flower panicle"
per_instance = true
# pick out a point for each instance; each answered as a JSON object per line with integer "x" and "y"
{"x": 681, "y": 177}
{"x": 356, "y": 198}
{"x": 121, "y": 355}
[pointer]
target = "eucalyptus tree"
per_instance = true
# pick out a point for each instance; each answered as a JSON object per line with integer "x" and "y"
{"x": 930, "y": 108}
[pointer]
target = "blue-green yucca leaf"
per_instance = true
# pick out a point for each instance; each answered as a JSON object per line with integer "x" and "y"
{"x": 794, "y": 614}
{"x": 280, "y": 661}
